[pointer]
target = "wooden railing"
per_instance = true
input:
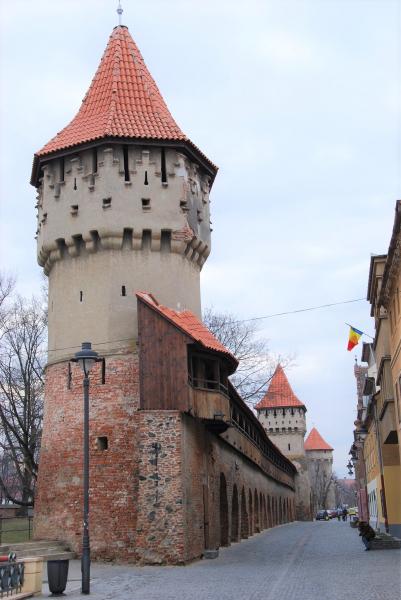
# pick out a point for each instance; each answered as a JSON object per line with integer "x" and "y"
{"x": 208, "y": 384}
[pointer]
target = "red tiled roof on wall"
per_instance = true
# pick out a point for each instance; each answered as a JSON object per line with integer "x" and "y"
{"x": 279, "y": 393}
{"x": 314, "y": 441}
{"x": 189, "y": 324}
{"x": 122, "y": 101}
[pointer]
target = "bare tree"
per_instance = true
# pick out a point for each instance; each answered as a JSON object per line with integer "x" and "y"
{"x": 321, "y": 480}
{"x": 256, "y": 363}
{"x": 22, "y": 332}
{"x": 346, "y": 491}
{"x": 7, "y": 285}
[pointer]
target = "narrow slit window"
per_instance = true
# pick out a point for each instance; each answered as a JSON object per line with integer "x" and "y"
{"x": 62, "y": 169}
{"x": 69, "y": 376}
{"x": 75, "y": 183}
{"x": 146, "y": 182}
{"x": 103, "y": 371}
{"x": 94, "y": 160}
{"x": 74, "y": 209}
{"x": 81, "y": 296}
{"x": 289, "y": 446}
{"x": 146, "y": 203}
{"x": 126, "y": 163}
{"x": 106, "y": 202}
{"x": 123, "y": 290}
{"x": 163, "y": 166}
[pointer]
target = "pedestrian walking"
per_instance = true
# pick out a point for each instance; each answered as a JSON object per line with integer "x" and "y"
{"x": 345, "y": 514}
{"x": 367, "y": 533}
{"x": 326, "y": 515}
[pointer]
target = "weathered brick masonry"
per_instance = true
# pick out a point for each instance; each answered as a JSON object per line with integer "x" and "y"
{"x": 163, "y": 491}
{"x": 113, "y": 483}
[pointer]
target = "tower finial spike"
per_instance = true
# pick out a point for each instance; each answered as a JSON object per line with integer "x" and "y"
{"x": 119, "y": 12}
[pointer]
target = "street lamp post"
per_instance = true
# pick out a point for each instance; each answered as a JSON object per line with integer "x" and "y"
{"x": 86, "y": 358}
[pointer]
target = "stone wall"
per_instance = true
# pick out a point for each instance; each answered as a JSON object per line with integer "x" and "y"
{"x": 164, "y": 488}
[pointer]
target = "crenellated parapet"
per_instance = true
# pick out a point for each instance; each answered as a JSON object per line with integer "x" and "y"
{"x": 123, "y": 197}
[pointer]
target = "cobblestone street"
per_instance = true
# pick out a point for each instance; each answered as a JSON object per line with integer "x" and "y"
{"x": 298, "y": 561}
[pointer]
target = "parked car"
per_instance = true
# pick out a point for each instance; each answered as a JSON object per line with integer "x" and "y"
{"x": 332, "y": 513}
{"x": 321, "y": 515}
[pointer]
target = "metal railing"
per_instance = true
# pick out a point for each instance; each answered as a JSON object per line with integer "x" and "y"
{"x": 15, "y": 529}
{"x": 11, "y": 579}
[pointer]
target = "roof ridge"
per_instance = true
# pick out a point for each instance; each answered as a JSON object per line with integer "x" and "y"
{"x": 315, "y": 441}
{"x": 194, "y": 328}
{"x": 123, "y": 100}
{"x": 279, "y": 393}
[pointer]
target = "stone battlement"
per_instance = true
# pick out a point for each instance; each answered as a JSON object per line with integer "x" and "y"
{"x": 123, "y": 197}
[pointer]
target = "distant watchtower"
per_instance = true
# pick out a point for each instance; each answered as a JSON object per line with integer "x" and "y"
{"x": 282, "y": 415}
{"x": 123, "y": 206}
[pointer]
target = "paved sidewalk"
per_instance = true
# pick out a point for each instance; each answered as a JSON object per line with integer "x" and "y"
{"x": 298, "y": 561}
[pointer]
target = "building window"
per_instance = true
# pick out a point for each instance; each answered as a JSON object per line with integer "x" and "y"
{"x": 102, "y": 443}
{"x": 205, "y": 372}
{"x": 289, "y": 446}
{"x": 126, "y": 163}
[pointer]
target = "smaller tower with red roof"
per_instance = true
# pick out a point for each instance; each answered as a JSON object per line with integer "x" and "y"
{"x": 283, "y": 415}
{"x": 319, "y": 455}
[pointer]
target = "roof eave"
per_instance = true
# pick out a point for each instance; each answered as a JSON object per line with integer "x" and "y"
{"x": 226, "y": 355}
{"x": 186, "y": 146}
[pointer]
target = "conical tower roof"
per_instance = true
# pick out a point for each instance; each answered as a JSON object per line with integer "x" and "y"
{"x": 314, "y": 441}
{"x": 124, "y": 102}
{"x": 279, "y": 393}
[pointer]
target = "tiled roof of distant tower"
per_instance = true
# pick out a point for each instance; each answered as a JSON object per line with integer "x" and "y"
{"x": 189, "y": 324}
{"x": 279, "y": 393}
{"x": 123, "y": 101}
{"x": 314, "y": 441}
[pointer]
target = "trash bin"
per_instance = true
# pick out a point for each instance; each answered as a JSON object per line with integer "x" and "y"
{"x": 57, "y": 573}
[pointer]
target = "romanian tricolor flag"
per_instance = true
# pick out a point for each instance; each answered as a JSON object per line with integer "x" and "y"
{"x": 354, "y": 335}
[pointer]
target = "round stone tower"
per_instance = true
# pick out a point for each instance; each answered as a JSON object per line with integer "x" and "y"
{"x": 123, "y": 206}
{"x": 320, "y": 463}
{"x": 283, "y": 416}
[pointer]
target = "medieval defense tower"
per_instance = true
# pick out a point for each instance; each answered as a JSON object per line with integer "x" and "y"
{"x": 123, "y": 206}
{"x": 282, "y": 415}
{"x": 179, "y": 465}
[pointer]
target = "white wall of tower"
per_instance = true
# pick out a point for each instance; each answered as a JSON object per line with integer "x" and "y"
{"x": 108, "y": 227}
{"x": 286, "y": 427}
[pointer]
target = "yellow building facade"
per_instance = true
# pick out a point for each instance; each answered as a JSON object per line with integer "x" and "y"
{"x": 382, "y": 423}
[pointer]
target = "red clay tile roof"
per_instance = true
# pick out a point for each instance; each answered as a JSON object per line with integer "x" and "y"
{"x": 314, "y": 441}
{"x": 189, "y": 324}
{"x": 122, "y": 101}
{"x": 279, "y": 393}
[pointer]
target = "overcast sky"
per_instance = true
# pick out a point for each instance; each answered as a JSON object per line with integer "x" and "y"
{"x": 297, "y": 101}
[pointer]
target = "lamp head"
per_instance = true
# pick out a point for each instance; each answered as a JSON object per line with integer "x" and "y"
{"x": 86, "y": 357}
